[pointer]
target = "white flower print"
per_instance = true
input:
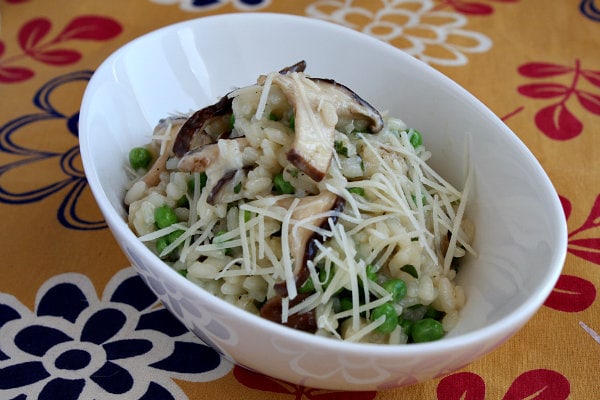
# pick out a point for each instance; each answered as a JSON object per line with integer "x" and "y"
{"x": 435, "y": 37}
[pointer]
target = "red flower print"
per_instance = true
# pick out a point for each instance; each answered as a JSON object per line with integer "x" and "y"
{"x": 258, "y": 381}
{"x": 461, "y": 386}
{"x": 556, "y": 120}
{"x": 13, "y": 74}
{"x": 472, "y": 7}
{"x": 571, "y": 294}
{"x": 539, "y": 384}
{"x": 536, "y": 384}
{"x": 33, "y": 40}
{"x": 584, "y": 242}
{"x": 30, "y": 36}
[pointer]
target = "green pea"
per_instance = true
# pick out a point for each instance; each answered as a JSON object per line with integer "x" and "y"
{"x": 173, "y": 236}
{"x": 346, "y": 303}
{"x": 397, "y": 288}
{"x": 163, "y": 241}
{"x": 307, "y": 287}
{"x": 282, "y": 186}
{"x": 219, "y": 233}
{"x": 406, "y": 325}
{"x": 391, "y": 317}
{"x": 371, "y": 272}
{"x": 427, "y": 330}
{"x": 416, "y": 139}
{"x": 164, "y": 216}
{"x": 191, "y": 184}
{"x": 161, "y": 244}
{"x": 231, "y": 121}
{"x": 139, "y": 157}
{"x": 247, "y": 215}
{"x": 182, "y": 202}
{"x": 324, "y": 280}
{"x": 357, "y": 190}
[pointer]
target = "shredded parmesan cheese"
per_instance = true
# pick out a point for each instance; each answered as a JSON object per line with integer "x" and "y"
{"x": 400, "y": 219}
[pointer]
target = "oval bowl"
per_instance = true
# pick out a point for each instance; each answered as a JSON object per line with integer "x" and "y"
{"x": 520, "y": 226}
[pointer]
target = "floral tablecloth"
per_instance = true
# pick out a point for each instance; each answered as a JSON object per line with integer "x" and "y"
{"x": 77, "y": 323}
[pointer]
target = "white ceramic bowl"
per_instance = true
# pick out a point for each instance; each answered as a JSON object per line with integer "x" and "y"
{"x": 521, "y": 230}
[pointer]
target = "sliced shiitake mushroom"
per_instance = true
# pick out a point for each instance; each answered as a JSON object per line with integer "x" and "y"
{"x": 200, "y": 159}
{"x": 302, "y": 244}
{"x": 273, "y": 310}
{"x": 223, "y": 167}
{"x": 167, "y": 126}
{"x": 300, "y": 66}
{"x": 349, "y": 104}
{"x": 318, "y": 104}
{"x": 196, "y": 124}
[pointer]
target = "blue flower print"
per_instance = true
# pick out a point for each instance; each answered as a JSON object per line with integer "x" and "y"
{"x": 591, "y": 9}
{"x": 51, "y": 150}
{"x": 202, "y": 5}
{"x": 198, "y": 318}
{"x": 243, "y": 4}
{"x": 77, "y": 346}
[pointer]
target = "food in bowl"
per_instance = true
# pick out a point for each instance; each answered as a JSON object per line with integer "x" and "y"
{"x": 521, "y": 233}
{"x": 295, "y": 199}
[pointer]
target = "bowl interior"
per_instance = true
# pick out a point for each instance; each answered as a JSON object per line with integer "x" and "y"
{"x": 520, "y": 228}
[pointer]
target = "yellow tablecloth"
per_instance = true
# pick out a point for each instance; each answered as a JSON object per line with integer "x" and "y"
{"x": 76, "y": 322}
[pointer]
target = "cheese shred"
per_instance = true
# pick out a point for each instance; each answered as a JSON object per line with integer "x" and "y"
{"x": 265, "y": 231}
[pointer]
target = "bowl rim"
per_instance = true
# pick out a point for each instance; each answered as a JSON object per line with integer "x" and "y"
{"x": 497, "y": 331}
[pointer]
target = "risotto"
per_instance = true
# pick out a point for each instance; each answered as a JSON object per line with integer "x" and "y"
{"x": 296, "y": 200}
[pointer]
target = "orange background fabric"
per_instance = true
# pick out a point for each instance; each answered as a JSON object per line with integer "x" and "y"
{"x": 535, "y": 63}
